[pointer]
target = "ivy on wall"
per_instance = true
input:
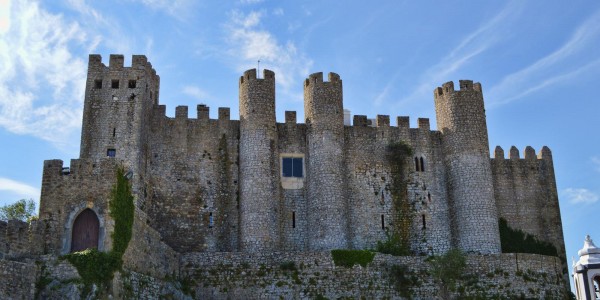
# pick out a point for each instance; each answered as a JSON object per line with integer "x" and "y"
{"x": 97, "y": 267}
{"x": 399, "y": 241}
{"x": 121, "y": 210}
{"x": 518, "y": 241}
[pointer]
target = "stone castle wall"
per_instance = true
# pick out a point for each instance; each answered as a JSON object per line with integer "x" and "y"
{"x": 206, "y": 188}
{"x": 189, "y": 177}
{"x": 192, "y": 178}
{"x": 308, "y": 275}
{"x": 87, "y": 184}
{"x": 17, "y": 279}
{"x": 526, "y": 194}
{"x": 147, "y": 253}
{"x": 371, "y": 183}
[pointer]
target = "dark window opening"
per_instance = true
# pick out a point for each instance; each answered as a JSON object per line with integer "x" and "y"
{"x": 210, "y": 220}
{"x": 382, "y": 222}
{"x": 292, "y": 167}
{"x": 114, "y": 132}
{"x": 417, "y": 164}
{"x": 111, "y": 152}
{"x": 132, "y": 84}
{"x": 422, "y": 165}
{"x": 424, "y": 223}
{"x": 429, "y": 197}
{"x": 66, "y": 171}
{"x": 115, "y": 84}
{"x": 293, "y": 219}
{"x": 596, "y": 283}
{"x": 98, "y": 83}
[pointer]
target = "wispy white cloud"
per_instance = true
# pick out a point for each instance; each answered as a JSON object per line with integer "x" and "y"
{"x": 4, "y": 15}
{"x": 472, "y": 45}
{"x": 580, "y": 196}
{"x": 178, "y": 9}
{"x": 41, "y": 81}
{"x": 21, "y": 190}
{"x": 195, "y": 92}
{"x": 596, "y": 162}
{"x": 543, "y": 72}
{"x": 250, "y": 1}
{"x": 545, "y": 82}
{"x": 248, "y": 43}
{"x": 100, "y": 28}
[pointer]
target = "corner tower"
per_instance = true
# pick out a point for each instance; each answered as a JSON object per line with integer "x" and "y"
{"x": 461, "y": 119}
{"x": 326, "y": 203}
{"x": 258, "y": 162}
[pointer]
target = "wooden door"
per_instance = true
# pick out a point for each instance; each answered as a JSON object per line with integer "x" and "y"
{"x": 85, "y": 231}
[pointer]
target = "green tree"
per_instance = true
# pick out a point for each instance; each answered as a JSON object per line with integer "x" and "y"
{"x": 21, "y": 210}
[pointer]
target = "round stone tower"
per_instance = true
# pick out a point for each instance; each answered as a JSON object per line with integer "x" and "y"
{"x": 461, "y": 119}
{"x": 327, "y": 211}
{"x": 258, "y": 162}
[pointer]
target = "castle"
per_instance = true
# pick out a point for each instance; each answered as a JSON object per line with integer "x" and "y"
{"x": 210, "y": 191}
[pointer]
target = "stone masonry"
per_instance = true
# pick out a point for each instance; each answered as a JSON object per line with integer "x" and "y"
{"x": 256, "y": 186}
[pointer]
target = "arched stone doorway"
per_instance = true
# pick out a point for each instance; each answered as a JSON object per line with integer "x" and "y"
{"x": 86, "y": 229}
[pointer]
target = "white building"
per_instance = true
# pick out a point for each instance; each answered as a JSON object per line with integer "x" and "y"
{"x": 586, "y": 272}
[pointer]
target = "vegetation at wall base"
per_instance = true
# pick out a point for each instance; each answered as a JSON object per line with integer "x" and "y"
{"x": 96, "y": 267}
{"x": 393, "y": 245}
{"x": 349, "y": 258}
{"x": 518, "y": 241}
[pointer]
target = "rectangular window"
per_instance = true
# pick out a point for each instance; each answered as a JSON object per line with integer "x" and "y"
{"x": 111, "y": 152}
{"x": 98, "y": 83}
{"x": 292, "y": 167}
{"x": 132, "y": 84}
{"x": 210, "y": 220}
{"x": 115, "y": 84}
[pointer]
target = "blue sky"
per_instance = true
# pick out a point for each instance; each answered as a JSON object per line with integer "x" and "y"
{"x": 538, "y": 63}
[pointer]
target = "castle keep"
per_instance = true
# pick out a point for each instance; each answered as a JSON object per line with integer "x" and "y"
{"x": 208, "y": 190}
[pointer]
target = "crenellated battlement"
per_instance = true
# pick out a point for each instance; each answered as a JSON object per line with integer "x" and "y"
{"x": 78, "y": 169}
{"x": 317, "y": 78}
{"x": 116, "y": 62}
{"x": 251, "y": 74}
{"x": 448, "y": 88}
{"x": 529, "y": 154}
{"x": 202, "y": 113}
{"x": 403, "y": 122}
{"x": 290, "y": 117}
